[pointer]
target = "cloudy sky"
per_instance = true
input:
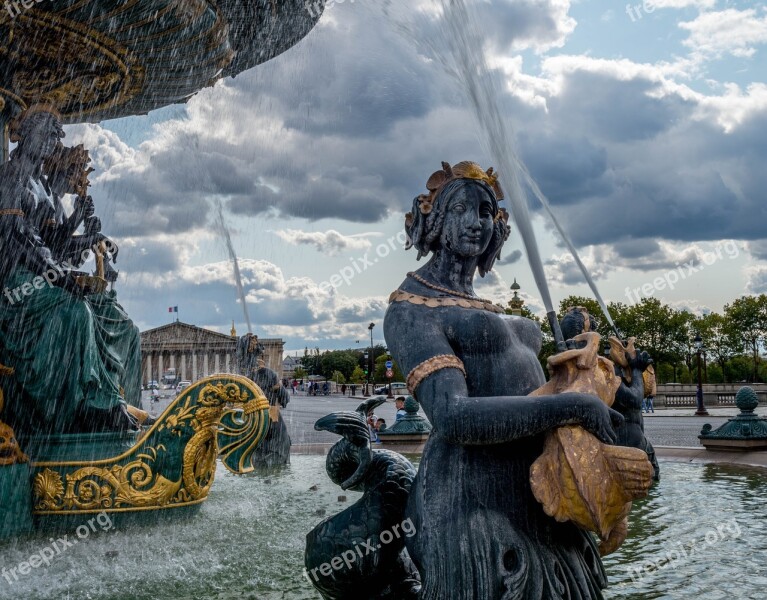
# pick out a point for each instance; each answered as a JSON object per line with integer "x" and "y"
{"x": 644, "y": 125}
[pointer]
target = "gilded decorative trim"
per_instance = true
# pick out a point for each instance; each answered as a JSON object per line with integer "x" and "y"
{"x": 173, "y": 464}
{"x": 432, "y": 365}
{"x": 12, "y": 212}
{"x": 400, "y": 296}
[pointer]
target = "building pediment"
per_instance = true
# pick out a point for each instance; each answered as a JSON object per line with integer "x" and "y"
{"x": 182, "y": 333}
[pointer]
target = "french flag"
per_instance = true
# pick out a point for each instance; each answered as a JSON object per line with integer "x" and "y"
{"x": 173, "y": 309}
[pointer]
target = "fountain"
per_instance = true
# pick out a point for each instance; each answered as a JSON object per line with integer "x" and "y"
{"x": 75, "y": 442}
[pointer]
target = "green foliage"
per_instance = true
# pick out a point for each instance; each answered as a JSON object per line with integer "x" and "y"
{"x": 338, "y": 377}
{"x": 379, "y": 375}
{"x": 300, "y": 373}
{"x": 342, "y": 361}
{"x": 358, "y": 375}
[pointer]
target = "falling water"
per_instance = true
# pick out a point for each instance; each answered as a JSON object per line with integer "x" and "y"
{"x": 224, "y": 230}
{"x": 465, "y": 44}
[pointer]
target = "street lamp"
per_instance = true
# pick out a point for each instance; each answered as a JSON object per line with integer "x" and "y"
{"x": 372, "y": 358}
{"x": 701, "y": 411}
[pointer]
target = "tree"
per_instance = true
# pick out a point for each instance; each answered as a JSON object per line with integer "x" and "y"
{"x": 721, "y": 340}
{"x": 358, "y": 375}
{"x": 748, "y": 318}
{"x": 338, "y": 377}
{"x": 299, "y": 373}
{"x": 379, "y": 374}
{"x": 342, "y": 361}
{"x": 659, "y": 329}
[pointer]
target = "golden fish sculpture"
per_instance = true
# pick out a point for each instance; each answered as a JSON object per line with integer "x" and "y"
{"x": 578, "y": 478}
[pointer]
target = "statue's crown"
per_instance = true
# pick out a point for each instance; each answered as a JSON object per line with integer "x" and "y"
{"x": 463, "y": 170}
{"x": 65, "y": 157}
{"x": 14, "y": 129}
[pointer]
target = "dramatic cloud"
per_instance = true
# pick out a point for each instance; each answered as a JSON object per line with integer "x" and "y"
{"x": 644, "y": 162}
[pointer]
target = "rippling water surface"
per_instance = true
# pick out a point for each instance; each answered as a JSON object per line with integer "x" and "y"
{"x": 702, "y": 533}
{"x": 248, "y": 542}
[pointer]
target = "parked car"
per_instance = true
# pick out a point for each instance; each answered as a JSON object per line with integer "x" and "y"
{"x": 182, "y": 385}
{"x": 398, "y": 389}
{"x": 153, "y": 385}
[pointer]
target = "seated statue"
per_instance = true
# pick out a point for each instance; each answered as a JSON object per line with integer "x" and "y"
{"x": 480, "y": 533}
{"x": 75, "y": 353}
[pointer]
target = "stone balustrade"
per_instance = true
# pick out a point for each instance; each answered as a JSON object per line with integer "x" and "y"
{"x": 673, "y": 395}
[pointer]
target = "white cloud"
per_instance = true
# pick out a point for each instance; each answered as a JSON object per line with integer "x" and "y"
{"x": 328, "y": 242}
{"x": 730, "y": 31}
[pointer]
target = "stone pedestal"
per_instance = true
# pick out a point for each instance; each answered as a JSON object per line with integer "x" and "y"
{"x": 744, "y": 433}
{"x": 15, "y": 501}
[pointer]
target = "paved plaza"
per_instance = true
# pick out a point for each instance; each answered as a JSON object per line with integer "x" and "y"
{"x": 665, "y": 427}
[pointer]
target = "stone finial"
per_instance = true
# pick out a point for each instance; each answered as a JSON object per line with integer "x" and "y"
{"x": 746, "y": 400}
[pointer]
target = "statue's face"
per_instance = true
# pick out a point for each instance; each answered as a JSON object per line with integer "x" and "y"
{"x": 468, "y": 226}
{"x": 43, "y": 135}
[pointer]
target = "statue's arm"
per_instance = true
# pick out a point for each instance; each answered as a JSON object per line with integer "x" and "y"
{"x": 414, "y": 336}
{"x": 631, "y": 396}
{"x": 20, "y": 239}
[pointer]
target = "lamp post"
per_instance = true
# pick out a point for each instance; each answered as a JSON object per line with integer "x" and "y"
{"x": 701, "y": 411}
{"x": 372, "y": 357}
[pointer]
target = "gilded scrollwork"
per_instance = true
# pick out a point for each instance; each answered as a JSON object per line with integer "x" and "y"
{"x": 174, "y": 464}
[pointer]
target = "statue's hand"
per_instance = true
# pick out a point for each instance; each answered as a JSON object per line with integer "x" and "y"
{"x": 84, "y": 208}
{"x": 69, "y": 283}
{"x": 641, "y": 361}
{"x": 599, "y": 419}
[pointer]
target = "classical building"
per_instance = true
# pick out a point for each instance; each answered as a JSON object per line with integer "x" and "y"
{"x": 193, "y": 352}
{"x": 289, "y": 366}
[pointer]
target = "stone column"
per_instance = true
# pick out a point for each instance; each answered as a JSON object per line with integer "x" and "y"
{"x": 194, "y": 366}
{"x": 228, "y": 363}
{"x": 160, "y": 367}
{"x": 206, "y": 364}
{"x": 217, "y": 362}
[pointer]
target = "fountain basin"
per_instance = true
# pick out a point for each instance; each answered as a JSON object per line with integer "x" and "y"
{"x": 248, "y": 541}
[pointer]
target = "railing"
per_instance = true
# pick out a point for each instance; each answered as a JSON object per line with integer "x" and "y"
{"x": 719, "y": 394}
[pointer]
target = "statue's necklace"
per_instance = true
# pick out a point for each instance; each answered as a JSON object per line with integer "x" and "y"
{"x": 445, "y": 290}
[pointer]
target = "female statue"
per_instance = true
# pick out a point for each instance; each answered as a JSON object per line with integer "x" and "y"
{"x": 75, "y": 353}
{"x": 480, "y": 531}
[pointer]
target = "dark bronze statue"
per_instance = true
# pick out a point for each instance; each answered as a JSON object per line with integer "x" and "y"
{"x": 359, "y": 554}
{"x": 480, "y": 533}
{"x": 633, "y": 367}
{"x": 274, "y": 450}
{"x": 249, "y": 352}
{"x": 75, "y": 353}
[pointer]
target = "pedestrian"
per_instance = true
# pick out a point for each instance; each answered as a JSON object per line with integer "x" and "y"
{"x": 354, "y": 389}
{"x": 650, "y": 407}
{"x": 343, "y": 389}
{"x": 372, "y": 420}
{"x": 401, "y": 412}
